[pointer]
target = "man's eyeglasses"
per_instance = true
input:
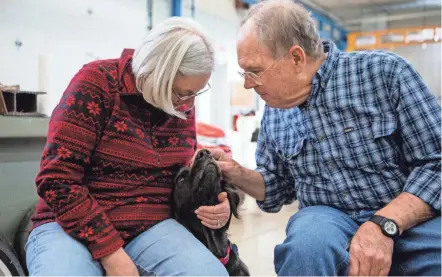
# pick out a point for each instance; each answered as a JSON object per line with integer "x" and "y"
{"x": 187, "y": 97}
{"x": 256, "y": 78}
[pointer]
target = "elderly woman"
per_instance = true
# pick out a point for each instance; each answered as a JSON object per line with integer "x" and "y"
{"x": 121, "y": 131}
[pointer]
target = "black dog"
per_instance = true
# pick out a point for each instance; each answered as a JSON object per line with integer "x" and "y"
{"x": 198, "y": 186}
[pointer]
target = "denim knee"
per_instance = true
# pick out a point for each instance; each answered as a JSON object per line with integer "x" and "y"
{"x": 52, "y": 252}
{"x": 315, "y": 245}
{"x": 170, "y": 249}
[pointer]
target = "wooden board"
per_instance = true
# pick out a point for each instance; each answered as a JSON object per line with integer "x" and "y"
{"x": 13, "y": 89}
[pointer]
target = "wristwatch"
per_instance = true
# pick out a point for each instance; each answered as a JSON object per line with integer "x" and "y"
{"x": 388, "y": 226}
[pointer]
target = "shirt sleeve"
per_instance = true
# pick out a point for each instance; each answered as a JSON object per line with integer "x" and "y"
{"x": 279, "y": 183}
{"x": 74, "y": 130}
{"x": 419, "y": 118}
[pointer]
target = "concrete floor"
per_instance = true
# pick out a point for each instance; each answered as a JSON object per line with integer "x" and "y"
{"x": 257, "y": 233}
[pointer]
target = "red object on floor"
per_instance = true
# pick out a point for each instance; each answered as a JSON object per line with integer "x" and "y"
{"x": 208, "y": 130}
{"x": 210, "y": 137}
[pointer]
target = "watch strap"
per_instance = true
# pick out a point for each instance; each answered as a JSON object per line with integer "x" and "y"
{"x": 380, "y": 220}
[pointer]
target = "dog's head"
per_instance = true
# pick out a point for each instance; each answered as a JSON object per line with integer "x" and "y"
{"x": 200, "y": 184}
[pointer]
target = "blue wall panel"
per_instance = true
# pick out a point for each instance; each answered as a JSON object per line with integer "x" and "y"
{"x": 329, "y": 29}
{"x": 176, "y": 7}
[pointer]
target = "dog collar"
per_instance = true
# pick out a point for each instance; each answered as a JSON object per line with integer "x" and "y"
{"x": 225, "y": 260}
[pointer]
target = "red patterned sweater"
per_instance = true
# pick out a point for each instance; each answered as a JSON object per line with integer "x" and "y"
{"x": 108, "y": 165}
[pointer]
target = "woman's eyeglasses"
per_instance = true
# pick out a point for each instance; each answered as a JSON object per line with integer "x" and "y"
{"x": 187, "y": 97}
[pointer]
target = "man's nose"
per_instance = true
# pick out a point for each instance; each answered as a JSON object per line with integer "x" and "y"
{"x": 248, "y": 83}
{"x": 204, "y": 153}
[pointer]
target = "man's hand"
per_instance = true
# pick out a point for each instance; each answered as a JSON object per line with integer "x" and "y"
{"x": 249, "y": 181}
{"x": 371, "y": 252}
{"x": 229, "y": 167}
{"x": 217, "y": 216}
{"x": 119, "y": 264}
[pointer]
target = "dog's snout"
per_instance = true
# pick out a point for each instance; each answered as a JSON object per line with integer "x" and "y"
{"x": 204, "y": 153}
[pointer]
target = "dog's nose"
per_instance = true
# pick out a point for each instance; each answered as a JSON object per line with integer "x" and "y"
{"x": 203, "y": 154}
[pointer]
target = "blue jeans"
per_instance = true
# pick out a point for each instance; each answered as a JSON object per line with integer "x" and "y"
{"x": 318, "y": 239}
{"x": 165, "y": 249}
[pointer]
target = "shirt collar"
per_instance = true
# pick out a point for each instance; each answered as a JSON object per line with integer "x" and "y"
{"x": 328, "y": 65}
{"x": 126, "y": 77}
{"x": 325, "y": 71}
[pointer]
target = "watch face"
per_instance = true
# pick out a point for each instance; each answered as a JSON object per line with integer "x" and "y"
{"x": 390, "y": 228}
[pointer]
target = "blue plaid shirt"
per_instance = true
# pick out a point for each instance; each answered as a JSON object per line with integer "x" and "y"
{"x": 370, "y": 130}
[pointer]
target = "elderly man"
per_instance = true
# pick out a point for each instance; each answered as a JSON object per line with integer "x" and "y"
{"x": 354, "y": 137}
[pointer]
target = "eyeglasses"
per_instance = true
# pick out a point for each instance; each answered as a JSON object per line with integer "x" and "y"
{"x": 187, "y": 97}
{"x": 255, "y": 77}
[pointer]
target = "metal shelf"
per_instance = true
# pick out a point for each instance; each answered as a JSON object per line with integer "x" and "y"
{"x": 23, "y": 127}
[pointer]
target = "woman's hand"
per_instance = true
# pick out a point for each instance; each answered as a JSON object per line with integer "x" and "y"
{"x": 215, "y": 217}
{"x": 119, "y": 264}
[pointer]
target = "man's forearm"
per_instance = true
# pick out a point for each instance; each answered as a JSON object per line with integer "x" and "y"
{"x": 407, "y": 211}
{"x": 251, "y": 182}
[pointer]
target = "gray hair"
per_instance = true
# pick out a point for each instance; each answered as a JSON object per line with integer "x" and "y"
{"x": 280, "y": 24}
{"x": 176, "y": 46}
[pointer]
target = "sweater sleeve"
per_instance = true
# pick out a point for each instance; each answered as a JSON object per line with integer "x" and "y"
{"x": 74, "y": 130}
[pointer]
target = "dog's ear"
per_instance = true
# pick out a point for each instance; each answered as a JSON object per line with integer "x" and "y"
{"x": 233, "y": 194}
{"x": 182, "y": 173}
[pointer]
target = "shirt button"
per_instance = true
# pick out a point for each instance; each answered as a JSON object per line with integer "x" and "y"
{"x": 331, "y": 166}
{"x": 321, "y": 138}
{"x": 345, "y": 194}
{"x": 323, "y": 84}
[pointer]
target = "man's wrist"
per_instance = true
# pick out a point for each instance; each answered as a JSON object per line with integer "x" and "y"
{"x": 239, "y": 175}
{"x": 392, "y": 217}
{"x": 377, "y": 231}
{"x": 407, "y": 210}
{"x": 387, "y": 226}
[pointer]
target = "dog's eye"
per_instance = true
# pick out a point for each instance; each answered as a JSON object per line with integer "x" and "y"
{"x": 181, "y": 179}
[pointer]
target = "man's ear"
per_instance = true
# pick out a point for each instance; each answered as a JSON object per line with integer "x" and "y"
{"x": 298, "y": 57}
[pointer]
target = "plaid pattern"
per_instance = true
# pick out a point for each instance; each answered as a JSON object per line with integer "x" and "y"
{"x": 370, "y": 130}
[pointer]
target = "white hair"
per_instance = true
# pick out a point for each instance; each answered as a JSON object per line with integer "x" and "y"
{"x": 280, "y": 24}
{"x": 177, "y": 45}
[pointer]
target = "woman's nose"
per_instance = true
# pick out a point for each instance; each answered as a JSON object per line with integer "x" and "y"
{"x": 185, "y": 105}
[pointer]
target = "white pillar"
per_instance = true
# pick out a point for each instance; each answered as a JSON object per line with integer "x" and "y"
{"x": 220, "y": 109}
{"x": 214, "y": 107}
{"x": 44, "y": 104}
